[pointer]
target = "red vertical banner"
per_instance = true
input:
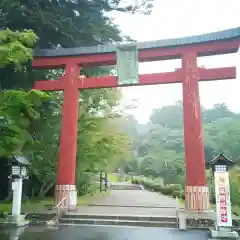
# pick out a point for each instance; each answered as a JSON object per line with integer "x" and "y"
{"x": 223, "y": 204}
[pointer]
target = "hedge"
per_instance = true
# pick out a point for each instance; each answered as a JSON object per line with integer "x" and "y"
{"x": 174, "y": 190}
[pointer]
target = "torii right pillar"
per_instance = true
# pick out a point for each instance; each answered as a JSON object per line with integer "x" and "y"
{"x": 197, "y": 193}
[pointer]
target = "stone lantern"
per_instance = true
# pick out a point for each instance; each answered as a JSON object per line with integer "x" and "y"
{"x": 223, "y": 222}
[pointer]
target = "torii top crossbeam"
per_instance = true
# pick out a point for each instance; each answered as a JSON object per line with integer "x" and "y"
{"x": 221, "y": 42}
{"x": 187, "y": 49}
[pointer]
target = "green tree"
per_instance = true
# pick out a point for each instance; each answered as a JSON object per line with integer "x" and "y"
{"x": 218, "y": 111}
{"x": 60, "y": 24}
{"x": 17, "y": 108}
{"x": 168, "y": 116}
{"x": 16, "y": 47}
{"x": 67, "y": 24}
{"x": 161, "y": 148}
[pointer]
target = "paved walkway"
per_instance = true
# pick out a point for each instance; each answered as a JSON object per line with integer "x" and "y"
{"x": 137, "y": 198}
{"x": 133, "y": 211}
{"x": 132, "y": 202}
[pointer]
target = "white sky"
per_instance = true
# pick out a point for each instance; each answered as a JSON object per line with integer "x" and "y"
{"x": 179, "y": 18}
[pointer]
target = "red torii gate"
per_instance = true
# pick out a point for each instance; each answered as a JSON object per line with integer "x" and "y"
{"x": 188, "y": 49}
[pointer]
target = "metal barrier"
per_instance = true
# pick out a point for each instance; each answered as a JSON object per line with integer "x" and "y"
{"x": 60, "y": 210}
{"x": 177, "y": 211}
{"x": 181, "y": 216}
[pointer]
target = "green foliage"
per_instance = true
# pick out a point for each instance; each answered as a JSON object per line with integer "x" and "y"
{"x": 235, "y": 186}
{"x": 101, "y": 143}
{"x": 67, "y": 23}
{"x": 16, "y": 47}
{"x": 163, "y": 115}
{"x": 174, "y": 190}
{"x": 17, "y": 110}
{"x": 160, "y": 149}
{"x": 58, "y": 24}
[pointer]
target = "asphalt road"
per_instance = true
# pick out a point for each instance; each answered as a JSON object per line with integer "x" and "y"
{"x": 101, "y": 233}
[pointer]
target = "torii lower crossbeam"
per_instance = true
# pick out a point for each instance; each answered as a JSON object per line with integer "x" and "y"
{"x": 144, "y": 79}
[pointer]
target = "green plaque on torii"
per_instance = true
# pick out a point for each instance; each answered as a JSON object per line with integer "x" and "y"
{"x": 127, "y": 63}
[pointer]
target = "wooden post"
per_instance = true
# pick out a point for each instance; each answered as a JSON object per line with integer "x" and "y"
{"x": 105, "y": 182}
{"x": 197, "y": 195}
{"x": 68, "y": 140}
{"x": 101, "y": 179}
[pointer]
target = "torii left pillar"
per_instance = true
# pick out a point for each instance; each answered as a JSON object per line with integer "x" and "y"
{"x": 68, "y": 140}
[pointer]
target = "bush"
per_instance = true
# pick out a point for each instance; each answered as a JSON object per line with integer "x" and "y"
{"x": 159, "y": 181}
{"x": 178, "y": 194}
{"x": 135, "y": 181}
{"x": 174, "y": 190}
{"x": 156, "y": 187}
{"x": 176, "y": 187}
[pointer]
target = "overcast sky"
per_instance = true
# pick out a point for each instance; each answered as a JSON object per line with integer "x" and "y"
{"x": 178, "y": 18}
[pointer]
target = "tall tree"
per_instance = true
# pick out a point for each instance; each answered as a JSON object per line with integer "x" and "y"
{"x": 17, "y": 108}
{"x": 161, "y": 148}
{"x": 67, "y": 24}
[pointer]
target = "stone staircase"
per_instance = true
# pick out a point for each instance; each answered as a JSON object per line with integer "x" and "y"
{"x": 133, "y": 208}
{"x": 141, "y": 221}
{"x": 192, "y": 222}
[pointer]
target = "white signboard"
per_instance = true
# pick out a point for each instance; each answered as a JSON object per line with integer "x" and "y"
{"x": 14, "y": 186}
{"x": 223, "y": 204}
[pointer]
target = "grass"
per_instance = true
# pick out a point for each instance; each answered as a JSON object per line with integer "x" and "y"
{"x": 37, "y": 204}
{"x": 5, "y": 207}
{"x": 112, "y": 178}
{"x": 116, "y": 178}
{"x": 83, "y": 200}
{"x": 181, "y": 201}
{"x": 236, "y": 210}
{"x": 28, "y": 204}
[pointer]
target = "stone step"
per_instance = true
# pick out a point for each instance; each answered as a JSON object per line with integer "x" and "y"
{"x": 82, "y": 221}
{"x": 125, "y": 187}
{"x": 133, "y": 206}
{"x": 121, "y": 217}
{"x": 40, "y": 216}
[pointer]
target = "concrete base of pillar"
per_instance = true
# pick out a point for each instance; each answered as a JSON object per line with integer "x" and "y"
{"x": 69, "y": 194}
{"x": 16, "y": 221}
{"x": 197, "y": 198}
{"x": 182, "y": 220}
{"x": 223, "y": 234}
